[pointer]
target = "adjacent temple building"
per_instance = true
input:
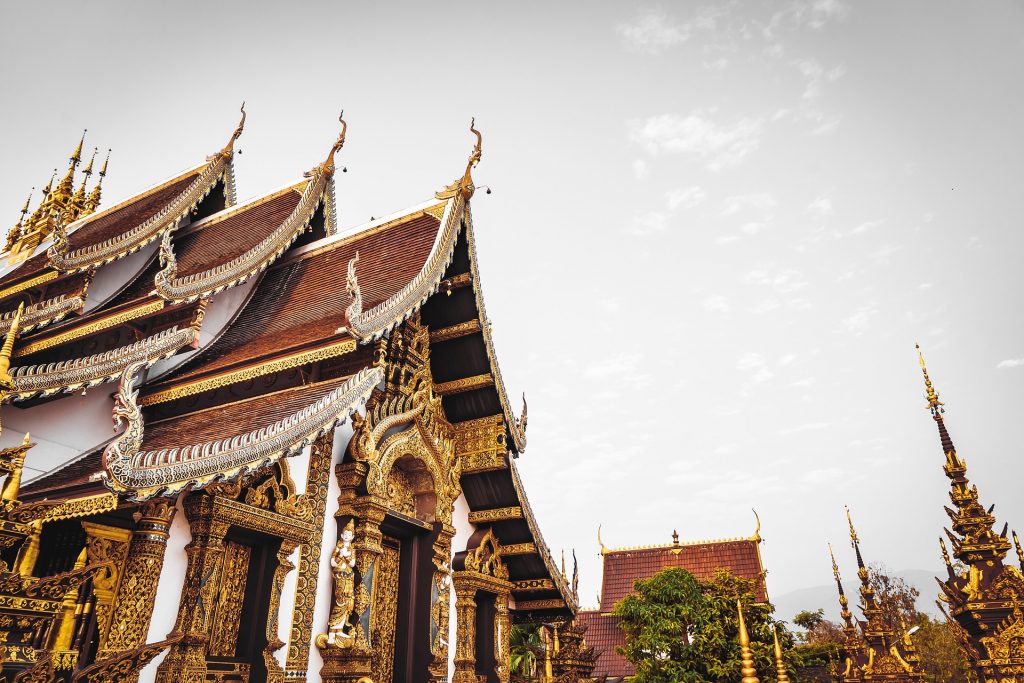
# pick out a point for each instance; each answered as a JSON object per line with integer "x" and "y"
{"x": 312, "y": 471}
{"x": 985, "y": 597}
{"x": 875, "y": 650}
{"x": 622, "y": 567}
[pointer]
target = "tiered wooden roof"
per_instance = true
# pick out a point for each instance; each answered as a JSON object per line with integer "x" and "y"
{"x": 622, "y": 567}
{"x": 297, "y": 356}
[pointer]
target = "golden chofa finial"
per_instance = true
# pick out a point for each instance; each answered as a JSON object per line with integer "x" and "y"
{"x": 756, "y": 538}
{"x": 6, "y": 381}
{"x": 600, "y": 543}
{"x": 464, "y": 186}
{"x": 230, "y": 147}
{"x": 746, "y": 656}
{"x": 934, "y": 404}
{"x": 328, "y": 164}
{"x": 780, "y": 666}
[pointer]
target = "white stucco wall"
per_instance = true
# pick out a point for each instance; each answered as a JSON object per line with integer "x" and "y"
{"x": 168, "y": 591}
{"x": 463, "y": 530}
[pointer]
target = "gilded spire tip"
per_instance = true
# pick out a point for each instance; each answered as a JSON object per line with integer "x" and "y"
{"x": 746, "y": 656}
{"x": 328, "y": 164}
{"x": 76, "y": 156}
{"x": 934, "y": 404}
{"x": 780, "y": 666}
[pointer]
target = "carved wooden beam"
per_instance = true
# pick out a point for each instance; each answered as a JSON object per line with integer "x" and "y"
{"x": 457, "y": 386}
{"x": 518, "y": 549}
{"x": 533, "y": 585}
{"x": 554, "y": 603}
{"x": 455, "y": 331}
{"x": 495, "y": 515}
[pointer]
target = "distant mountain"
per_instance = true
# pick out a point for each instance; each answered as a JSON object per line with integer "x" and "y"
{"x": 825, "y": 596}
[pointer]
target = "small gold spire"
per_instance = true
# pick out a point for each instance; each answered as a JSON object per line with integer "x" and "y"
{"x": 564, "y": 575}
{"x": 945, "y": 553}
{"x": 1020, "y": 553}
{"x": 675, "y": 537}
{"x": 24, "y": 208}
{"x": 6, "y": 381}
{"x": 76, "y": 156}
{"x": 780, "y": 665}
{"x": 746, "y": 656}
{"x": 934, "y": 404}
{"x": 94, "y": 197}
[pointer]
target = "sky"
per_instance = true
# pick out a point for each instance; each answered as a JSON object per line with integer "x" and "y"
{"x": 715, "y": 234}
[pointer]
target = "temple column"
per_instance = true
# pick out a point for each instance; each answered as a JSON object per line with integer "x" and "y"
{"x": 133, "y": 607}
{"x": 186, "y": 662}
{"x": 465, "y": 632}
{"x": 502, "y": 626}
{"x": 347, "y": 663}
{"x": 275, "y": 672}
{"x": 440, "y": 603}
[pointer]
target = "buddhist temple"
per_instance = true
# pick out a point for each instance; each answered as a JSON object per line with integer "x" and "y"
{"x": 311, "y": 473}
{"x": 622, "y": 567}
{"x": 874, "y": 649}
{"x": 982, "y": 593}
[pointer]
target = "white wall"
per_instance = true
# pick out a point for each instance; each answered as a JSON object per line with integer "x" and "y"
{"x": 113, "y": 277}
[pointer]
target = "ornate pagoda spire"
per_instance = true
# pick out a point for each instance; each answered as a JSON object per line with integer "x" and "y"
{"x": 15, "y": 233}
{"x": 6, "y": 381}
{"x": 77, "y": 203}
{"x": 985, "y": 599}
{"x": 975, "y": 539}
{"x": 464, "y": 185}
{"x": 871, "y": 610}
{"x": 849, "y": 629}
{"x": 746, "y": 656}
{"x": 93, "y": 200}
{"x": 65, "y": 188}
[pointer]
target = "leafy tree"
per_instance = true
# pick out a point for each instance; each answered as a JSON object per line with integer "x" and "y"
{"x": 896, "y": 597}
{"x": 679, "y": 629}
{"x": 524, "y": 644}
{"x": 807, "y": 619}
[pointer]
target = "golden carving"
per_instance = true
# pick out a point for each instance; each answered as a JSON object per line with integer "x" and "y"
{"x": 437, "y": 210}
{"x": 44, "y": 312}
{"x": 343, "y": 567}
{"x": 481, "y": 444}
{"x": 527, "y": 605}
{"x": 48, "y": 276}
{"x": 246, "y": 374}
{"x": 454, "y": 331}
{"x": 105, "y": 545}
{"x": 495, "y": 515}
{"x": 533, "y": 584}
{"x": 457, "y": 386}
{"x": 123, "y": 667}
{"x": 317, "y": 482}
{"x": 228, "y": 611}
{"x": 464, "y": 187}
{"x": 90, "y": 327}
{"x": 518, "y": 549}
{"x": 486, "y": 558}
{"x": 276, "y": 674}
{"x": 385, "y": 613}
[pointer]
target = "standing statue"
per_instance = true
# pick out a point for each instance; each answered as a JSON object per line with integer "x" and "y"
{"x": 343, "y": 565}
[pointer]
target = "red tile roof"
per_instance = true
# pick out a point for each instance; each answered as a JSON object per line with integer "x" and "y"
{"x": 622, "y": 568}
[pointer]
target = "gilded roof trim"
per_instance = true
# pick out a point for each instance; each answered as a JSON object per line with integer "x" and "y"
{"x": 538, "y": 539}
{"x": 88, "y": 371}
{"x": 239, "y": 269}
{"x": 371, "y": 325}
{"x": 132, "y": 240}
{"x": 249, "y": 372}
{"x": 516, "y": 425}
{"x": 89, "y": 326}
{"x": 143, "y": 474}
{"x": 44, "y": 313}
{"x": 48, "y": 276}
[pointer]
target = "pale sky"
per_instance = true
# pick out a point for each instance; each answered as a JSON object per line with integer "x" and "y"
{"x": 715, "y": 234}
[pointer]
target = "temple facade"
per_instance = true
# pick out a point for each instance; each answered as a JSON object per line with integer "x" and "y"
{"x": 622, "y": 567}
{"x": 312, "y": 470}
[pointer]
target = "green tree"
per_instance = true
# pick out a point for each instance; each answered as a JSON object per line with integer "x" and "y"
{"x": 524, "y": 644}
{"x": 682, "y": 630}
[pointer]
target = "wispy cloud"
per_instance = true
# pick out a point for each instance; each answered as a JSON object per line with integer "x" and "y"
{"x": 814, "y": 14}
{"x": 698, "y": 134}
{"x": 784, "y": 281}
{"x": 685, "y": 197}
{"x": 761, "y": 202}
{"x": 820, "y": 207}
{"x": 859, "y": 321}
{"x": 806, "y": 427}
{"x": 1011, "y": 363}
{"x": 648, "y": 224}
{"x": 867, "y": 225}
{"x": 652, "y": 32}
{"x": 717, "y": 304}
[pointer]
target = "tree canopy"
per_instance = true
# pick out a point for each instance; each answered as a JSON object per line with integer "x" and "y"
{"x": 679, "y": 629}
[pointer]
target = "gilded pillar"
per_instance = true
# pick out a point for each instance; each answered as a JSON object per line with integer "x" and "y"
{"x": 349, "y": 660}
{"x": 133, "y": 608}
{"x": 275, "y": 672}
{"x": 502, "y": 626}
{"x": 71, "y": 608}
{"x": 465, "y": 633}
{"x": 440, "y": 601}
{"x": 186, "y": 662}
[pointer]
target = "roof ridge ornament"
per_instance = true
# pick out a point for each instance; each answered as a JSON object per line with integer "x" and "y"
{"x": 229, "y": 148}
{"x": 6, "y": 381}
{"x": 464, "y": 186}
{"x": 328, "y": 165}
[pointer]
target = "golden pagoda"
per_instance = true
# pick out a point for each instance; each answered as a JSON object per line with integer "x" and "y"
{"x": 983, "y": 594}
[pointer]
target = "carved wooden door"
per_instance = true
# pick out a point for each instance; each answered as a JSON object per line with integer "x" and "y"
{"x": 385, "y": 610}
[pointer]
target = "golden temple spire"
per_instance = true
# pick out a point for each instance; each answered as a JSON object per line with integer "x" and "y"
{"x": 464, "y": 185}
{"x": 867, "y": 593}
{"x": 780, "y": 666}
{"x": 93, "y": 200}
{"x": 844, "y": 603}
{"x": 77, "y": 204}
{"x": 6, "y": 381}
{"x": 1020, "y": 553}
{"x": 746, "y": 657}
{"x": 65, "y": 187}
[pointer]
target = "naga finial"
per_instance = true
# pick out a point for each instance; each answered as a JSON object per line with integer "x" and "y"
{"x": 328, "y": 164}
{"x": 229, "y": 148}
{"x": 464, "y": 186}
{"x": 600, "y": 543}
{"x": 355, "y": 308}
{"x": 756, "y": 538}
